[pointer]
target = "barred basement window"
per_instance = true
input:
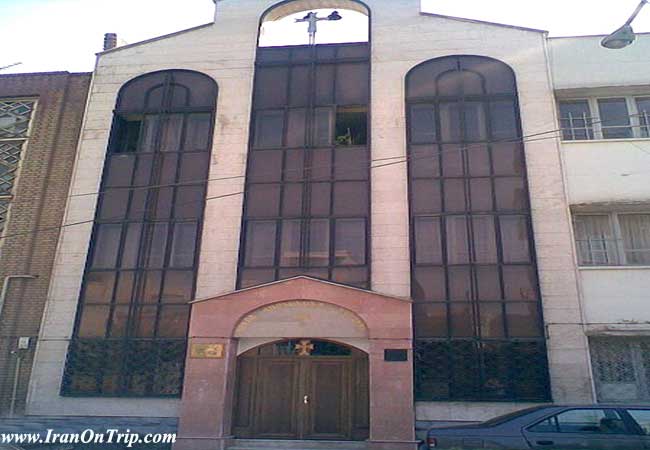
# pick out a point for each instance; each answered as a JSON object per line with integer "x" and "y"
{"x": 15, "y": 117}
{"x": 130, "y": 335}
{"x": 621, "y": 368}
{"x": 477, "y": 311}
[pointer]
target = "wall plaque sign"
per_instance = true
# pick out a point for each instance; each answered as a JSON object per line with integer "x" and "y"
{"x": 207, "y": 351}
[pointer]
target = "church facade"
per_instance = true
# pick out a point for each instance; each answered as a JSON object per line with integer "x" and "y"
{"x": 318, "y": 242}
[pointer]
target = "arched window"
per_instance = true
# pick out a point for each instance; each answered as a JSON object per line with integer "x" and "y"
{"x": 477, "y": 315}
{"x": 130, "y": 334}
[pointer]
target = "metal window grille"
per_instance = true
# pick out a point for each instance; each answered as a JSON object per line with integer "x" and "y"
{"x": 621, "y": 369}
{"x": 15, "y": 116}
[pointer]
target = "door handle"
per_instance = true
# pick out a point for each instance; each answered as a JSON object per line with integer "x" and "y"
{"x": 545, "y": 442}
{"x": 305, "y": 399}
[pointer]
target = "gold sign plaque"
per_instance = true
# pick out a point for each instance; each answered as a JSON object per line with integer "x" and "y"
{"x": 206, "y": 351}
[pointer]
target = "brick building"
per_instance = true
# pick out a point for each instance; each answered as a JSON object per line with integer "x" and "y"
{"x": 40, "y": 121}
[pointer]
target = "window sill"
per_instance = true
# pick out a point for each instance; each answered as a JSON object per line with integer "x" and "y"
{"x": 588, "y": 141}
{"x": 614, "y": 267}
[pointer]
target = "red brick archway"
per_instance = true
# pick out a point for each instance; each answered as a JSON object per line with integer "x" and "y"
{"x": 289, "y": 309}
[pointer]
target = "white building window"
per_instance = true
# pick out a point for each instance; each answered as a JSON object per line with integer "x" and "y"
{"x": 621, "y": 368}
{"x": 605, "y": 118}
{"x": 613, "y": 239}
{"x": 15, "y": 116}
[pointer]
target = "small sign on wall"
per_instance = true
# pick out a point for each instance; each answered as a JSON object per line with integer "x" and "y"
{"x": 395, "y": 355}
{"x": 207, "y": 351}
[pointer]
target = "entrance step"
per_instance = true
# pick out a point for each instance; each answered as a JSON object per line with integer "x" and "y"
{"x": 272, "y": 444}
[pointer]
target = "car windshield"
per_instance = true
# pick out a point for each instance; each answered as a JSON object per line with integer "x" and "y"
{"x": 508, "y": 417}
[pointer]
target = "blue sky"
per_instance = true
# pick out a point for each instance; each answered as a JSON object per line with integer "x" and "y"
{"x": 50, "y": 35}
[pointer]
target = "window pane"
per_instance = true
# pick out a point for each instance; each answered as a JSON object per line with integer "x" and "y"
{"x": 591, "y": 421}
{"x": 107, "y": 243}
{"x": 98, "y": 287}
{"x": 354, "y": 276}
{"x": 492, "y": 320}
{"x": 426, "y": 197}
{"x": 323, "y": 127}
{"x": 184, "y": 244}
{"x": 460, "y": 283}
{"x": 161, "y": 202}
{"x": 114, "y": 204}
{"x": 189, "y": 202}
{"x": 429, "y": 284}
{"x": 475, "y": 121}
{"x": 290, "y": 247}
{"x": 119, "y": 321}
{"x": 170, "y": 140}
{"x": 450, "y": 122}
{"x": 168, "y": 169}
{"x": 489, "y": 284}
{"x": 260, "y": 244}
{"x": 457, "y": 240}
{"x": 523, "y": 320}
{"x": 514, "y": 239}
{"x": 455, "y": 200}
{"x": 124, "y": 291}
{"x": 194, "y": 167}
{"x": 636, "y": 237}
{"x": 120, "y": 170}
{"x": 351, "y": 164}
{"x": 143, "y": 170}
{"x": 296, "y": 128}
{"x": 503, "y": 120}
{"x": 321, "y": 194}
{"x": 481, "y": 195}
{"x": 423, "y": 124}
{"x": 520, "y": 283}
{"x": 325, "y": 84}
{"x": 145, "y": 320}
{"x": 351, "y": 126}
{"x": 452, "y": 161}
{"x": 151, "y": 290}
{"x": 428, "y": 241}
{"x": 197, "y": 132}
{"x": 294, "y": 165}
{"x": 271, "y": 87}
{"x": 350, "y": 242}
{"x": 255, "y": 277}
{"x": 319, "y": 243}
{"x": 351, "y": 198}
{"x": 352, "y": 84}
{"x": 595, "y": 240}
{"x": 484, "y": 236}
{"x": 430, "y": 320}
{"x": 576, "y": 120}
{"x": 511, "y": 194}
{"x": 424, "y": 161}
{"x": 131, "y": 249}
{"x": 479, "y": 160}
{"x": 149, "y": 133}
{"x": 461, "y": 317}
{"x": 269, "y": 129}
{"x": 292, "y": 200}
{"x": 643, "y": 105}
{"x": 615, "y": 118}
{"x": 173, "y": 321}
{"x": 265, "y": 166}
{"x": 508, "y": 159}
{"x": 299, "y": 86}
{"x": 263, "y": 200}
{"x": 157, "y": 240}
{"x": 178, "y": 286}
{"x": 94, "y": 320}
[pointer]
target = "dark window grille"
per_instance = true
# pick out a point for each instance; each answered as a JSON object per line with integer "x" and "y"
{"x": 477, "y": 312}
{"x": 307, "y": 203}
{"x": 130, "y": 333}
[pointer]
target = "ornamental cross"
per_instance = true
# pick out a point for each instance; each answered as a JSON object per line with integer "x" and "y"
{"x": 304, "y": 348}
{"x": 312, "y": 19}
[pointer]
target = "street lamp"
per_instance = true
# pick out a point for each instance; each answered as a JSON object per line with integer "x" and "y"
{"x": 624, "y": 36}
{"x": 313, "y": 19}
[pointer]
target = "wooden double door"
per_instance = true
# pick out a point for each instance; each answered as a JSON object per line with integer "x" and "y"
{"x": 322, "y": 394}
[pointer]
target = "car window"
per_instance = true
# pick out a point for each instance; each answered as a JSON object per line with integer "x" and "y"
{"x": 642, "y": 417}
{"x": 545, "y": 426}
{"x": 595, "y": 421}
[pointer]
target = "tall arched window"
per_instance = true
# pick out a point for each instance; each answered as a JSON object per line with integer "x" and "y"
{"x": 477, "y": 311}
{"x": 130, "y": 334}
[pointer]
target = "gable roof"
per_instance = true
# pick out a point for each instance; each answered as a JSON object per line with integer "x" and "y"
{"x": 482, "y": 22}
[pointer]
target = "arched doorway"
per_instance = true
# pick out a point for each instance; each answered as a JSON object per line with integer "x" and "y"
{"x": 302, "y": 389}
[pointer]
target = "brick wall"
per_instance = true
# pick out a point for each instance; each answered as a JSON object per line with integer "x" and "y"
{"x": 39, "y": 203}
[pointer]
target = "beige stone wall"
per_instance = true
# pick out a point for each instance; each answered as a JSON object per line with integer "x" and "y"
{"x": 401, "y": 38}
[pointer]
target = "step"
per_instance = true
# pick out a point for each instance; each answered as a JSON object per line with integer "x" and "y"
{"x": 274, "y": 444}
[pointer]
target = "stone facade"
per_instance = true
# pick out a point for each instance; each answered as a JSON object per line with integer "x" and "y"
{"x": 401, "y": 38}
{"x": 39, "y": 201}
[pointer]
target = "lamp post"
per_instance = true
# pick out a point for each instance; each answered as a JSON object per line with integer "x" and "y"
{"x": 624, "y": 36}
{"x": 313, "y": 19}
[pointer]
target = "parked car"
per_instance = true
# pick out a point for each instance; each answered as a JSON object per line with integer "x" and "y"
{"x": 597, "y": 427}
